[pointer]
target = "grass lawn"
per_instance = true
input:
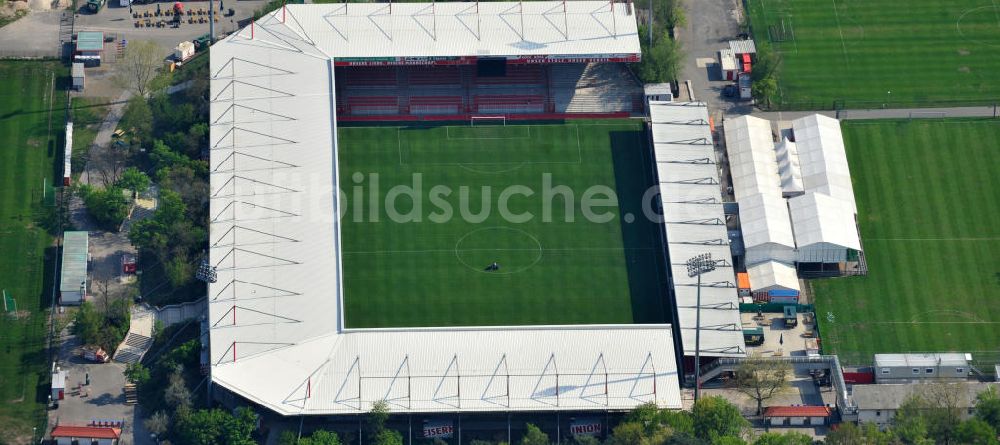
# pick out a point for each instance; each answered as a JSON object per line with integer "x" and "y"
{"x": 928, "y": 201}
{"x": 866, "y": 53}
{"x": 552, "y": 271}
{"x": 27, "y": 152}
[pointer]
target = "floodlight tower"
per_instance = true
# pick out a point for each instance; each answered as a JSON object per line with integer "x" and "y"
{"x": 696, "y": 266}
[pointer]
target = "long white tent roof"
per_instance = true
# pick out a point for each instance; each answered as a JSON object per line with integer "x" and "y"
{"x": 275, "y": 310}
{"x": 346, "y": 31}
{"x": 764, "y": 220}
{"x": 773, "y": 275}
{"x": 821, "y": 221}
{"x": 752, "y": 160}
{"x": 823, "y": 158}
{"x": 695, "y": 224}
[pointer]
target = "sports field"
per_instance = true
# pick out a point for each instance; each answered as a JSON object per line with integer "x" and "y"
{"x": 558, "y": 266}
{"x": 27, "y": 153}
{"x": 895, "y": 52}
{"x": 928, "y": 201}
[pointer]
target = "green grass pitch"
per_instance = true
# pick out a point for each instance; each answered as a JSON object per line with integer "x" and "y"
{"x": 866, "y": 53}
{"x": 552, "y": 270}
{"x": 928, "y": 202}
{"x": 27, "y": 154}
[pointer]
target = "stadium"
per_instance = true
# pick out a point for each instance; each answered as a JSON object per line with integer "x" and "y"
{"x": 321, "y": 304}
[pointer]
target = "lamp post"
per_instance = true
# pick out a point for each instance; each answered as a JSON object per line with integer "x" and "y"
{"x": 696, "y": 266}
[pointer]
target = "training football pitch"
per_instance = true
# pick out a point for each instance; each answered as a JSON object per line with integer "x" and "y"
{"x": 928, "y": 201}
{"x": 866, "y": 53}
{"x": 481, "y": 198}
{"x": 27, "y": 151}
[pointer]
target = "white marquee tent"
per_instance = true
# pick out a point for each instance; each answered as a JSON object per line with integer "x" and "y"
{"x": 823, "y": 158}
{"x": 773, "y": 275}
{"x": 825, "y": 228}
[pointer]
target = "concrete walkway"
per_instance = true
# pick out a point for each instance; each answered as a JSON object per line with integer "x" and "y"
{"x": 887, "y": 113}
{"x": 102, "y": 141}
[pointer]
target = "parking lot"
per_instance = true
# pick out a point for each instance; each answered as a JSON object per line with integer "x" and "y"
{"x": 118, "y": 21}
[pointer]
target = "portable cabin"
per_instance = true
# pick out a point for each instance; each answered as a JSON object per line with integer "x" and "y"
{"x": 58, "y": 384}
{"x": 901, "y": 368}
{"x": 68, "y": 434}
{"x": 658, "y": 92}
{"x": 128, "y": 264}
{"x": 790, "y": 317}
{"x": 79, "y": 77}
{"x": 753, "y": 336}
{"x": 745, "y": 84}
{"x": 728, "y": 68}
{"x": 783, "y": 296}
{"x": 75, "y": 255}
{"x": 89, "y": 48}
{"x": 743, "y": 284}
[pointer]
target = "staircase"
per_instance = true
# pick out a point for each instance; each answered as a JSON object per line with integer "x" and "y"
{"x": 130, "y": 397}
{"x": 138, "y": 340}
{"x": 133, "y": 348}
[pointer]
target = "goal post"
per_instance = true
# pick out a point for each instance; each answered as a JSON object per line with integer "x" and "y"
{"x": 488, "y": 120}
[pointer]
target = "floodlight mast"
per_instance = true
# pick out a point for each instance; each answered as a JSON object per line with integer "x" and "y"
{"x": 696, "y": 266}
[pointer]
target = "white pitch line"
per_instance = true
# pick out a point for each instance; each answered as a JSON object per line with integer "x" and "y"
{"x": 487, "y": 249}
{"x": 935, "y": 239}
{"x": 843, "y": 45}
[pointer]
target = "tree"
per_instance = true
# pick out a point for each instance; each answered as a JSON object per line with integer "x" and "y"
{"x": 134, "y": 180}
{"x": 909, "y": 423}
{"x": 138, "y": 66}
{"x": 377, "y": 417}
{"x": 661, "y": 62}
{"x": 108, "y": 207}
{"x": 761, "y": 379}
{"x": 388, "y": 437}
{"x": 988, "y": 407}
{"x": 976, "y": 432}
{"x": 177, "y": 394}
{"x": 534, "y": 436}
{"x": 764, "y": 89}
{"x": 137, "y": 373}
{"x": 138, "y": 118}
{"x": 157, "y": 423}
{"x": 789, "y": 438}
{"x": 850, "y": 434}
{"x": 214, "y": 427}
{"x": 87, "y": 324}
{"x": 714, "y": 418}
{"x": 321, "y": 437}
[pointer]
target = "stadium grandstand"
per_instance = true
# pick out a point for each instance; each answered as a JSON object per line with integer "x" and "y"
{"x": 695, "y": 224}
{"x": 277, "y": 336}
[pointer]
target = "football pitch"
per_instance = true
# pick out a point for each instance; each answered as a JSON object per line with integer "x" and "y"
{"x": 928, "y": 201}
{"x": 509, "y": 225}
{"x": 900, "y": 53}
{"x": 27, "y": 151}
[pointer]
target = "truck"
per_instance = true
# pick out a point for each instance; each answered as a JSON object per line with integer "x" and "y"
{"x": 95, "y": 5}
{"x": 95, "y": 354}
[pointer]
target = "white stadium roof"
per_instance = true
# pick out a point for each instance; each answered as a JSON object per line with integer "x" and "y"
{"x": 752, "y": 160}
{"x": 275, "y": 313}
{"x": 695, "y": 224}
{"x": 370, "y": 31}
{"x": 823, "y": 157}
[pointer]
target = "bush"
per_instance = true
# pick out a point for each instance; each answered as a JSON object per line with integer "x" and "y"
{"x": 108, "y": 207}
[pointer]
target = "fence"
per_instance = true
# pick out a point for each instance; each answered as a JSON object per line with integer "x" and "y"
{"x": 869, "y": 104}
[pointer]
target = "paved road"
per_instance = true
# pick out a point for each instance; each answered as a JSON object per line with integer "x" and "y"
{"x": 711, "y": 24}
